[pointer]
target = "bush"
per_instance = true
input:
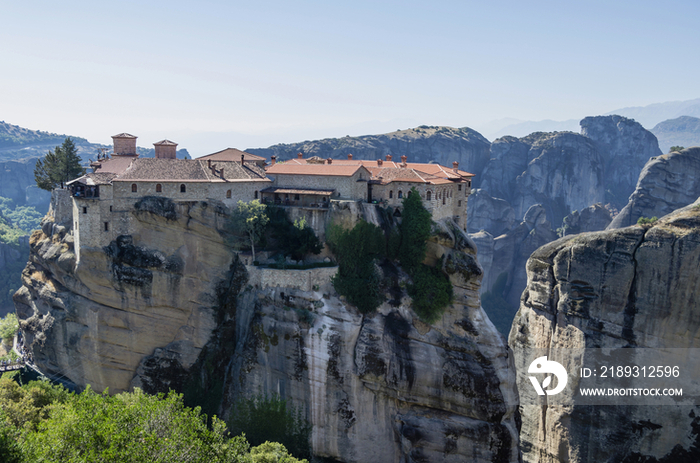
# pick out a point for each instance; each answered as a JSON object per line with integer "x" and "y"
{"x": 296, "y": 240}
{"x": 264, "y": 418}
{"x": 415, "y": 228}
{"x": 431, "y": 292}
{"x": 647, "y": 221}
{"x": 8, "y": 327}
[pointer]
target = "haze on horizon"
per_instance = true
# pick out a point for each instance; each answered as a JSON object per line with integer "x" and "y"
{"x": 220, "y": 74}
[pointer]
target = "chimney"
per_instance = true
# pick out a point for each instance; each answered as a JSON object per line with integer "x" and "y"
{"x": 300, "y": 156}
{"x": 388, "y": 157}
{"x": 380, "y": 162}
{"x": 273, "y": 160}
{"x": 330, "y": 160}
{"x": 165, "y": 149}
{"x": 403, "y": 159}
{"x": 242, "y": 159}
{"x": 124, "y": 144}
{"x": 455, "y": 166}
{"x": 349, "y": 157}
{"x": 209, "y": 163}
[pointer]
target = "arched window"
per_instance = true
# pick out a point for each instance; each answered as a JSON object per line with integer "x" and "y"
{"x": 183, "y": 188}
{"x": 228, "y": 194}
{"x": 159, "y": 188}
{"x": 391, "y": 194}
{"x": 400, "y": 194}
{"x": 427, "y": 196}
{"x": 134, "y": 188}
{"x": 443, "y": 199}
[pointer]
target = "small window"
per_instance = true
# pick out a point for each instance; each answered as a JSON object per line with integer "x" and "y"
{"x": 183, "y": 188}
{"x": 391, "y": 194}
{"x": 228, "y": 194}
{"x": 459, "y": 187}
{"x": 443, "y": 199}
{"x": 427, "y": 196}
{"x": 256, "y": 194}
{"x": 296, "y": 197}
{"x": 84, "y": 209}
{"x": 110, "y": 208}
{"x": 400, "y": 194}
{"x": 459, "y": 203}
{"x": 159, "y": 188}
{"x": 106, "y": 226}
{"x": 134, "y": 188}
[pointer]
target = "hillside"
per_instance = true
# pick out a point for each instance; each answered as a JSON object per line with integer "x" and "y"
{"x": 683, "y": 131}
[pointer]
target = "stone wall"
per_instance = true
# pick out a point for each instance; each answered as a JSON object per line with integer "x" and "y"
{"x": 350, "y": 187}
{"x": 303, "y": 280}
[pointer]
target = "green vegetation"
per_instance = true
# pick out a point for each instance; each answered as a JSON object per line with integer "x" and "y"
{"x": 25, "y": 218}
{"x": 647, "y": 220}
{"x": 676, "y": 148}
{"x": 8, "y": 328}
{"x": 46, "y": 423}
{"x": 250, "y": 219}
{"x": 431, "y": 292}
{"x": 58, "y": 166}
{"x": 264, "y": 418}
{"x": 357, "y": 250}
{"x": 295, "y": 240}
{"x": 415, "y": 228}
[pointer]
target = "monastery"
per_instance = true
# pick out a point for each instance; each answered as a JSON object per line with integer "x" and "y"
{"x": 101, "y": 201}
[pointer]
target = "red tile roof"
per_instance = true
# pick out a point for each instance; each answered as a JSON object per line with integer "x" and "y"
{"x": 231, "y": 154}
{"x": 333, "y": 170}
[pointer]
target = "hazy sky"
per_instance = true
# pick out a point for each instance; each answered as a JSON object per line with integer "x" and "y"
{"x": 212, "y": 74}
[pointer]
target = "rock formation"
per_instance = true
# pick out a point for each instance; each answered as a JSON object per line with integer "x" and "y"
{"x": 667, "y": 182}
{"x": 171, "y": 306}
{"x": 634, "y": 287}
{"x": 626, "y": 147}
{"x": 493, "y": 215}
{"x": 682, "y": 131}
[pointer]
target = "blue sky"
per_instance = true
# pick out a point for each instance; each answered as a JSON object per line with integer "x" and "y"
{"x": 214, "y": 74}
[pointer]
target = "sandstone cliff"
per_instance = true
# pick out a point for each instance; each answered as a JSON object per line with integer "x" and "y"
{"x": 667, "y": 182}
{"x": 171, "y": 306}
{"x": 633, "y": 287}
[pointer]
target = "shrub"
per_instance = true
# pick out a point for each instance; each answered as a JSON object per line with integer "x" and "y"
{"x": 295, "y": 240}
{"x": 8, "y": 327}
{"x": 431, "y": 292}
{"x": 647, "y": 221}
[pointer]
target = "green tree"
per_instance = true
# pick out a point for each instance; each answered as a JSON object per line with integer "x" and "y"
{"x": 415, "y": 228}
{"x": 58, "y": 166}
{"x": 676, "y": 148}
{"x": 8, "y": 327}
{"x": 251, "y": 219}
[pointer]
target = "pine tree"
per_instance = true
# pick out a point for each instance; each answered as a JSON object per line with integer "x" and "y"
{"x": 58, "y": 166}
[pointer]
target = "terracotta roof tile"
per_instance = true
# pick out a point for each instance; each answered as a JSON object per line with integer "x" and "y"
{"x": 231, "y": 154}
{"x": 294, "y": 168}
{"x": 124, "y": 135}
{"x": 165, "y": 143}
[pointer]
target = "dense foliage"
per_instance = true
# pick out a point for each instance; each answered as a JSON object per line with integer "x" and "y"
{"x": 296, "y": 240}
{"x": 58, "y": 166}
{"x": 46, "y": 423}
{"x": 250, "y": 220}
{"x": 431, "y": 292}
{"x": 25, "y": 218}
{"x": 415, "y": 228}
{"x": 264, "y": 419}
{"x": 357, "y": 250}
{"x": 8, "y": 327}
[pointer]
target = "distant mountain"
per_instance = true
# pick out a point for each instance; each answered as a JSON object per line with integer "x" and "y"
{"x": 652, "y": 114}
{"x": 442, "y": 145}
{"x": 524, "y": 128}
{"x": 682, "y": 131}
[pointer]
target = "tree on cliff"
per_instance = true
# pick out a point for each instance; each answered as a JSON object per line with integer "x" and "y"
{"x": 415, "y": 228}
{"x": 251, "y": 219}
{"x": 58, "y": 166}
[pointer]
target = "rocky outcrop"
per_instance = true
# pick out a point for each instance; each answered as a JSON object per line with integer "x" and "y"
{"x": 633, "y": 287}
{"x": 370, "y": 383}
{"x": 172, "y": 307}
{"x": 442, "y": 145}
{"x": 592, "y": 218}
{"x": 668, "y": 182}
{"x": 93, "y": 321}
{"x": 626, "y": 147}
{"x": 493, "y": 215}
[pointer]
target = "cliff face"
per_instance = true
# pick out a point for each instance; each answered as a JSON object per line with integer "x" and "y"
{"x": 667, "y": 182}
{"x": 173, "y": 307}
{"x": 93, "y": 321}
{"x": 627, "y": 146}
{"x": 633, "y": 287}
